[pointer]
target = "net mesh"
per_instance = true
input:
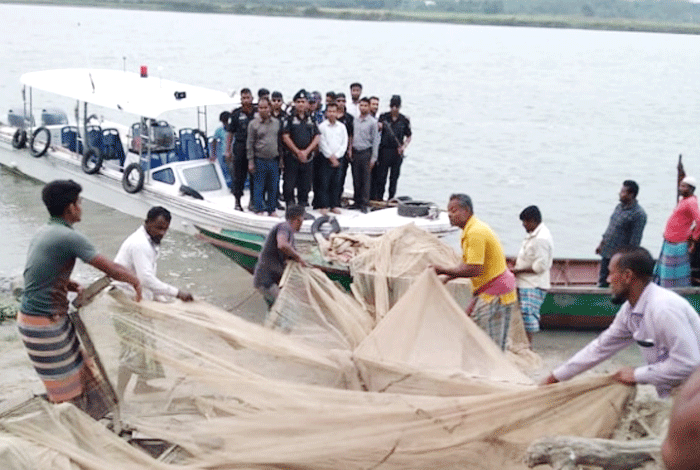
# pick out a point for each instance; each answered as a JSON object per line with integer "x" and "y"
{"x": 323, "y": 385}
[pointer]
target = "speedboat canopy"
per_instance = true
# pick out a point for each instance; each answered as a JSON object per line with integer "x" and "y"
{"x": 125, "y": 91}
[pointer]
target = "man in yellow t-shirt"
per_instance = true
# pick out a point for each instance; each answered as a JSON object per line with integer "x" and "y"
{"x": 484, "y": 262}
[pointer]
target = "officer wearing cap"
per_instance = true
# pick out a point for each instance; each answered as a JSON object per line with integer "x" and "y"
{"x": 301, "y": 136}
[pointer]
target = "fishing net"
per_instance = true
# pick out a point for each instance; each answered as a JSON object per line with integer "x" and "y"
{"x": 384, "y": 269}
{"x": 324, "y": 386}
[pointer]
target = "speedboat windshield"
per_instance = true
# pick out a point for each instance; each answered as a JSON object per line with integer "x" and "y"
{"x": 202, "y": 178}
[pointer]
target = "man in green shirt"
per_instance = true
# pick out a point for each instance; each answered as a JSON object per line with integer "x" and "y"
{"x": 46, "y": 332}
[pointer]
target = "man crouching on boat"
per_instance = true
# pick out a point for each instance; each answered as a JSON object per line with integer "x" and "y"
{"x": 44, "y": 326}
{"x": 278, "y": 248}
{"x": 484, "y": 263}
{"x": 661, "y": 322}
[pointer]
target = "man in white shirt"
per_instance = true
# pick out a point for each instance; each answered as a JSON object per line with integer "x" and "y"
{"x": 333, "y": 145}
{"x": 139, "y": 253}
{"x": 353, "y": 107}
{"x": 532, "y": 268}
{"x": 662, "y": 323}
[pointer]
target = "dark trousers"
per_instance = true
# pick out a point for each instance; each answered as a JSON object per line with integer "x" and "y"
{"x": 297, "y": 176}
{"x": 326, "y": 192}
{"x": 604, "y": 271}
{"x": 342, "y": 174}
{"x": 361, "y": 176}
{"x": 266, "y": 177}
{"x": 239, "y": 172}
{"x": 317, "y": 164}
{"x": 388, "y": 164}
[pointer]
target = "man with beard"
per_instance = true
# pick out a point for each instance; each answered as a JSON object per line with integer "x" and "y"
{"x": 662, "y": 323}
{"x": 139, "y": 253}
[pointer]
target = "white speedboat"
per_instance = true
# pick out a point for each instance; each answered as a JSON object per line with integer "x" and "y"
{"x": 132, "y": 168}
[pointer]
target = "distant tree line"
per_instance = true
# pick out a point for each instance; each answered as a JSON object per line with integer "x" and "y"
{"x": 671, "y": 11}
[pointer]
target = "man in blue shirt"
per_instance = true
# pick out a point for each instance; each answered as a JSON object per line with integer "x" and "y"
{"x": 624, "y": 229}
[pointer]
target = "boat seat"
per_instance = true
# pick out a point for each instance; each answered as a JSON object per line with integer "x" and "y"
{"x": 157, "y": 159}
{"x": 94, "y": 138}
{"x": 172, "y": 156}
{"x": 69, "y": 139}
{"x": 190, "y": 146}
{"x": 112, "y": 145}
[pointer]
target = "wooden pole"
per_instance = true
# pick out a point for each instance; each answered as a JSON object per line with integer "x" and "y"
{"x": 568, "y": 452}
{"x": 679, "y": 177}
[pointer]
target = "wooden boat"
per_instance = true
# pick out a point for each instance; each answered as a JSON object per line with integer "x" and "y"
{"x": 244, "y": 249}
{"x": 574, "y": 300}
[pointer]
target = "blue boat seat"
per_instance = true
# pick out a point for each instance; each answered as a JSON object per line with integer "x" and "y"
{"x": 157, "y": 159}
{"x": 94, "y": 138}
{"x": 190, "y": 146}
{"x": 69, "y": 139}
{"x": 112, "y": 144}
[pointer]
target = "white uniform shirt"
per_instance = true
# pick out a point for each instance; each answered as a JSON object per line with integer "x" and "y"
{"x": 536, "y": 253}
{"x": 334, "y": 139}
{"x": 139, "y": 254}
{"x": 662, "y": 320}
{"x": 353, "y": 109}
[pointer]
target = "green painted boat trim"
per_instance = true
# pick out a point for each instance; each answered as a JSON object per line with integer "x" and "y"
{"x": 244, "y": 249}
{"x": 575, "y": 306}
{"x": 590, "y": 307}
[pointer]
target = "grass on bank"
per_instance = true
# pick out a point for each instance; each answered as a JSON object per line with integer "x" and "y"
{"x": 540, "y": 21}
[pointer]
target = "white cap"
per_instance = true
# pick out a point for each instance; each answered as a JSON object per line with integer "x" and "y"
{"x": 690, "y": 181}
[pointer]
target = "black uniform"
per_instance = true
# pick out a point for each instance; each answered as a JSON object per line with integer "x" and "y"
{"x": 298, "y": 175}
{"x": 238, "y": 126}
{"x": 393, "y": 135}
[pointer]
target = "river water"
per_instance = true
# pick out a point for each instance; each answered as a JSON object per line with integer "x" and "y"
{"x": 510, "y": 116}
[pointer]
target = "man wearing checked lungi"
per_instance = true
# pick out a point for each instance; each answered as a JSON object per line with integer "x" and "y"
{"x": 680, "y": 238}
{"x": 532, "y": 268}
{"x": 484, "y": 263}
{"x": 43, "y": 323}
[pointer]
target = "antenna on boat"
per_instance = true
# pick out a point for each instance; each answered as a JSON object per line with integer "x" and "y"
{"x": 124, "y": 61}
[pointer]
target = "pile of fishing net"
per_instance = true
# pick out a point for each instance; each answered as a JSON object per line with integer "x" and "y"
{"x": 324, "y": 385}
{"x": 384, "y": 268}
